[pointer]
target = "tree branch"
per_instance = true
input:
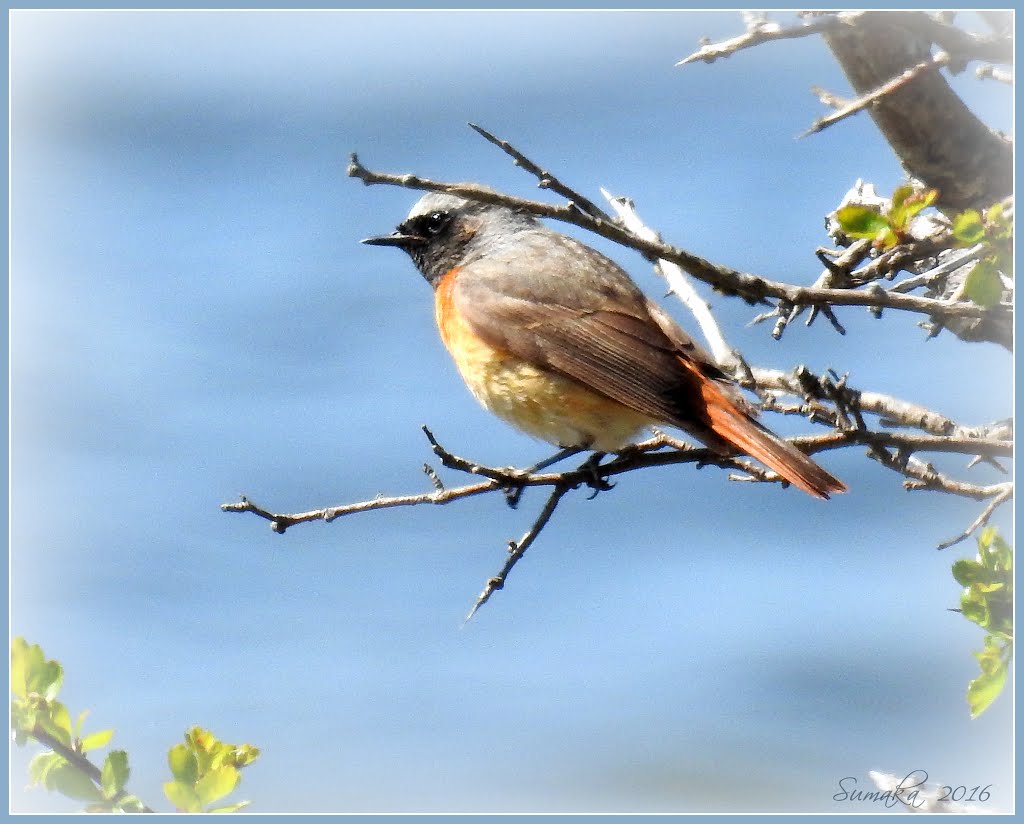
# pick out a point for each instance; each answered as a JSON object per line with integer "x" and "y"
{"x": 679, "y": 285}
{"x": 759, "y": 30}
{"x": 937, "y": 138}
{"x": 869, "y": 99}
{"x": 824, "y": 401}
{"x": 516, "y": 549}
{"x": 752, "y": 288}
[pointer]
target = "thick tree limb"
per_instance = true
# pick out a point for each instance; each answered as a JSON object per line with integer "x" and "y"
{"x": 937, "y": 138}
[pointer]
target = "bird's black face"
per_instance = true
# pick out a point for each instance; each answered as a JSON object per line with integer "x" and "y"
{"x": 433, "y": 238}
{"x": 427, "y": 226}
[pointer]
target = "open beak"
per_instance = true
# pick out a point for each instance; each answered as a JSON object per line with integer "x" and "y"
{"x": 399, "y": 239}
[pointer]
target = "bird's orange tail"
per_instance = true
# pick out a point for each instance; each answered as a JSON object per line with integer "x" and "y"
{"x": 737, "y": 428}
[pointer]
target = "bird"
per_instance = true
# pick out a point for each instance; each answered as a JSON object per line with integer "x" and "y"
{"x": 557, "y": 339}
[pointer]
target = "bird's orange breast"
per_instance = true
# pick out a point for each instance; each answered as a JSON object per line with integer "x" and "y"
{"x": 535, "y": 400}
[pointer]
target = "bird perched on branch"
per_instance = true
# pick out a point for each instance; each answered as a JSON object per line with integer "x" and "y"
{"x": 556, "y": 339}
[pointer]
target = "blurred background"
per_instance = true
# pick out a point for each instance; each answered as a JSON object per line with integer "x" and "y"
{"x": 192, "y": 317}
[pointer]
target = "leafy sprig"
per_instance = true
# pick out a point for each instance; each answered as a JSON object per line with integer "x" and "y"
{"x": 205, "y": 769}
{"x": 987, "y": 600}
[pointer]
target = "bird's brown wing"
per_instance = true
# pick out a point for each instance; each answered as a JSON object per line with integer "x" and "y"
{"x": 613, "y": 347}
{"x": 592, "y": 324}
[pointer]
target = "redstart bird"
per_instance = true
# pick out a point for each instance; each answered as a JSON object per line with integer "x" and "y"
{"x": 557, "y": 339}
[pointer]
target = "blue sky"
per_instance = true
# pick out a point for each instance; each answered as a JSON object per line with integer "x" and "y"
{"x": 193, "y": 318}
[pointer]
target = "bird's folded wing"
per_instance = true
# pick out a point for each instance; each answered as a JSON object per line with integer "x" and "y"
{"x": 624, "y": 356}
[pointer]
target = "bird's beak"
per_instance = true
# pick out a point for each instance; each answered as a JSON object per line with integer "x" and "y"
{"x": 399, "y": 239}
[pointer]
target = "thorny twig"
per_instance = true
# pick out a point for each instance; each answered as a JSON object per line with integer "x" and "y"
{"x": 751, "y": 288}
{"x": 826, "y": 401}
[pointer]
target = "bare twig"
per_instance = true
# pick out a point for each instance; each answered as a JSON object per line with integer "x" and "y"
{"x": 892, "y": 411}
{"x": 679, "y": 285}
{"x": 516, "y": 549}
{"x": 830, "y": 99}
{"x": 990, "y": 71}
{"x": 758, "y": 32}
{"x": 983, "y": 518}
{"x": 752, "y": 288}
{"x": 861, "y": 103}
{"x": 950, "y": 264}
{"x": 546, "y": 180}
{"x": 963, "y": 45}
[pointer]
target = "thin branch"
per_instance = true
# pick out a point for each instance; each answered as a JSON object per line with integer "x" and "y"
{"x": 893, "y": 412}
{"x": 963, "y": 45}
{"x": 830, "y": 99}
{"x": 990, "y": 71}
{"x": 647, "y": 455}
{"x": 281, "y": 522}
{"x": 516, "y": 549}
{"x": 861, "y": 103}
{"x": 759, "y": 32}
{"x": 679, "y": 285}
{"x": 750, "y": 287}
{"x": 907, "y": 443}
{"x": 966, "y": 46}
{"x": 952, "y": 262}
{"x": 546, "y": 180}
{"x": 982, "y": 519}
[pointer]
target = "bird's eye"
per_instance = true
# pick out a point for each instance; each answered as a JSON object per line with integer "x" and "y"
{"x": 436, "y": 221}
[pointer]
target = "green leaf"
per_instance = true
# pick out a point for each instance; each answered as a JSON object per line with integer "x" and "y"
{"x": 114, "y": 773}
{"x": 96, "y": 740}
{"x": 996, "y": 554}
{"x": 983, "y": 284}
{"x": 972, "y": 573}
{"x": 205, "y": 746}
{"x": 20, "y": 666}
{"x": 968, "y": 227}
{"x": 908, "y": 202}
{"x": 32, "y": 673}
{"x": 57, "y": 722}
{"x": 244, "y": 754}
{"x": 984, "y": 689}
{"x": 183, "y": 763}
{"x": 217, "y": 783}
{"x": 886, "y": 239}
{"x": 990, "y": 659}
{"x": 974, "y": 607}
{"x": 48, "y": 679}
{"x": 987, "y": 537}
{"x": 966, "y": 571}
{"x": 23, "y": 720}
{"x": 72, "y": 783}
{"x": 39, "y": 767}
{"x": 230, "y": 808}
{"x": 860, "y": 221}
{"x": 900, "y": 196}
{"x": 79, "y": 721}
{"x": 183, "y": 796}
